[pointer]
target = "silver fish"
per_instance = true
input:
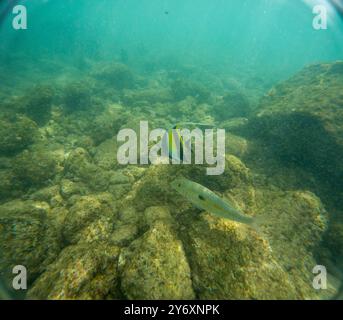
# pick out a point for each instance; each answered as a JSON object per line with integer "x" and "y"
{"x": 207, "y": 200}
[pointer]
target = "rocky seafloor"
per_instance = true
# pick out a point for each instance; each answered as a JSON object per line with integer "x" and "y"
{"x": 86, "y": 227}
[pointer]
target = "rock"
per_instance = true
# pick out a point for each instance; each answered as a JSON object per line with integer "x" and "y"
{"x": 90, "y": 218}
{"x": 69, "y": 188}
{"x": 8, "y": 187}
{"x": 129, "y": 215}
{"x": 106, "y": 124}
{"x": 233, "y": 105}
{"x": 153, "y": 189}
{"x": 81, "y": 272}
{"x": 119, "y": 190}
{"x": 37, "y": 103}
{"x": 28, "y": 237}
{"x": 227, "y": 264}
{"x": 236, "y": 173}
{"x": 297, "y": 222}
{"x": 334, "y": 241}
{"x": 294, "y": 224}
{"x": 120, "y": 177}
{"x": 116, "y": 75}
{"x": 182, "y": 88}
{"x": 35, "y": 167}
{"x": 16, "y": 134}
{"x": 155, "y": 267}
{"x": 78, "y": 163}
{"x": 183, "y": 109}
{"x": 45, "y": 194}
{"x": 146, "y": 97}
{"x": 155, "y": 214}
{"x": 79, "y": 167}
{"x": 124, "y": 234}
{"x": 233, "y": 124}
{"x": 236, "y": 145}
{"x": 301, "y": 121}
{"x": 77, "y": 96}
{"x": 100, "y": 230}
{"x": 106, "y": 154}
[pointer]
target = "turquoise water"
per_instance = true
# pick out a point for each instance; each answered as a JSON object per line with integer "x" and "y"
{"x": 83, "y": 70}
{"x": 271, "y": 37}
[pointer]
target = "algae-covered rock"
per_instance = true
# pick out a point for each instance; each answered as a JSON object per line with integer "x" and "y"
{"x": 36, "y": 166}
{"x": 334, "y": 240}
{"x": 116, "y": 75}
{"x": 8, "y": 186}
{"x": 79, "y": 166}
{"x": 45, "y": 194}
{"x": 50, "y": 195}
{"x": 99, "y": 230}
{"x": 124, "y": 234}
{"x": 106, "y": 154}
{"x": 16, "y": 134}
{"x": 69, "y": 188}
{"x": 154, "y": 214}
{"x": 129, "y": 215}
{"x": 153, "y": 189}
{"x": 107, "y": 124}
{"x": 90, "y": 218}
{"x": 81, "y": 272}
{"x": 229, "y": 264}
{"x": 28, "y": 237}
{"x": 236, "y": 145}
{"x": 35, "y": 103}
{"x": 233, "y": 105}
{"x": 38, "y": 102}
{"x": 183, "y": 110}
{"x": 146, "y": 97}
{"x": 233, "y": 124}
{"x": 301, "y": 120}
{"x": 235, "y": 173}
{"x": 182, "y": 88}
{"x": 77, "y": 96}
{"x": 155, "y": 267}
{"x": 294, "y": 224}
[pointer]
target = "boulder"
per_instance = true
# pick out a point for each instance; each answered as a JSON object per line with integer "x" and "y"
{"x": 16, "y": 134}
{"x": 28, "y": 237}
{"x": 82, "y": 272}
{"x": 301, "y": 121}
{"x": 155, "y": 267}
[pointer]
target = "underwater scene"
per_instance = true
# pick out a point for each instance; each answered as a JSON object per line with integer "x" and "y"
{"x": 171, "y": 150}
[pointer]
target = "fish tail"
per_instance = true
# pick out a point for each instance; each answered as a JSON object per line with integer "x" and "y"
{"x": 258, "y": 222}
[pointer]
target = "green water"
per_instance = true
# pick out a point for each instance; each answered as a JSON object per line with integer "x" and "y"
{"x": 77, "y": 219}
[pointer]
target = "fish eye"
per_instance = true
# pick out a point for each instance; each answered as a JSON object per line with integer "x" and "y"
{"x": 201, "y": 198}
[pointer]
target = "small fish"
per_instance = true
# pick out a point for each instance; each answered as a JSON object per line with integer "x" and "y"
{"x": 207, "y": 200}
{"x": 176, "y": 150}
